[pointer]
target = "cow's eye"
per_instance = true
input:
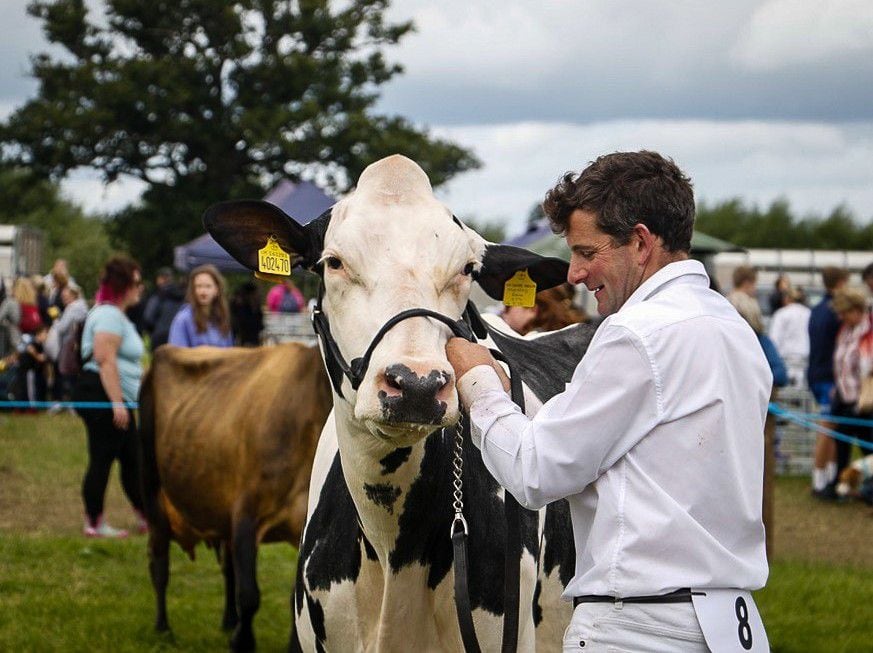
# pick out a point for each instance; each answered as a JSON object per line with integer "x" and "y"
{"x": 334, "y": 263}
{"x": 468, "y": 269}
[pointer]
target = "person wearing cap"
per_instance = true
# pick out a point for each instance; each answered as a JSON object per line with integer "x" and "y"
{"x": 657, "y": 442}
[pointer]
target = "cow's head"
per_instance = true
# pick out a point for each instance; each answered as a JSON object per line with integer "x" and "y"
{"x": 388, "y": 246}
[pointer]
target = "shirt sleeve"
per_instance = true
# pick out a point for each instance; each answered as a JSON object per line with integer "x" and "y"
{"x": 611, "y": 403}
{"x": 179, "y": 331}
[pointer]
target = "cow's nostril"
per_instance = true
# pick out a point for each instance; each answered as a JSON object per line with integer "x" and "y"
{"x": 394, "y": 381}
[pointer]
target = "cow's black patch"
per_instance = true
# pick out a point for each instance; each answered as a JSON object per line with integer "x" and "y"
{"x": 537, "y": 609}
{"x": 427, "y": 516}
{"x": 316, "y": 618}
{"x": 560, "y": 547}
{"x": 369, "y": 550}
{"x": 393, "y": 460}
{"x": 331, "y": 547}
{"x": 562, "y": 349}
{"x": 382, "y": 494}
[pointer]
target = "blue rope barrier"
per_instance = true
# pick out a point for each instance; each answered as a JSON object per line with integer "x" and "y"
{"x": 63, "y": 404}
{"x": 778, "y": 411}
{"x": 835, "y": 419}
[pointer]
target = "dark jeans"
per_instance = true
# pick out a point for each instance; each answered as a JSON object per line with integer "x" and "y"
{"x": 105, "y": 445}
{"x": 844, "y": 450}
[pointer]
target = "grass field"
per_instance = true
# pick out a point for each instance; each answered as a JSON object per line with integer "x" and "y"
{"x": 62, "y": 592}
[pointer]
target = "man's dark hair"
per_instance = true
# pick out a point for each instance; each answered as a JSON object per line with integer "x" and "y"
{"x": 624, "y": 189}
{"x": 832, "y": 276}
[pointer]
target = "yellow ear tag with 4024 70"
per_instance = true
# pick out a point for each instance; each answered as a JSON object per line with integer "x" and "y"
{"x": 520, "y": 290}
{"x": 272, "y": 259}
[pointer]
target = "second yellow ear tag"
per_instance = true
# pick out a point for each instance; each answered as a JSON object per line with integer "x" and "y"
{"x": 272, "y": 259}
{"x": 520, "y": 290}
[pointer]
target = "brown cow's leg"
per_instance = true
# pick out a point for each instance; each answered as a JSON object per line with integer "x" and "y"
{"x": 159, "y": 566}
{"x": 248, "y": 596}
{"x": 230, "y": 618}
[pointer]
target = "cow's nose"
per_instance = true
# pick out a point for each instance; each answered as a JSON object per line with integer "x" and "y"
{"x": 415, "y": 394}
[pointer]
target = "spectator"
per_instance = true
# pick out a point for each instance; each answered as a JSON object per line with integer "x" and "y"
{"x": 25, "y": 294}
{"x": 781, "y": 287}
{"x": 204, "y": 319}
{"x": 553, "y": 309}
{"x": 851, "y": 363}
{"x": 30, "y": 381}
{"x": 246, "y": 315}
{"x": 744, "y": 296}
{"x": 51, "y": 281}
{"x": 867, "y": 277}
{"x": 75, "y": 311}
{"x": 789, "y": 330}
{"x": 285, "y": 297}
{"x": 10, "y": 316}
{"x": 777, "y": 366}
{"x": 111, "y": 349}
{"x": 161, "y": 307}
{"x": 47, "y": 314}
{"x": 60, "y": 280}
{"x": 823, "y": 327}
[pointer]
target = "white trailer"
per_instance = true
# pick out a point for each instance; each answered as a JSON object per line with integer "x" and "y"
{"x": 21, "y": 251}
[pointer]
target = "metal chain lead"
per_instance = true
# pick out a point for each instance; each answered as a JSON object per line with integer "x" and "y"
{"x": 457, "y": 473}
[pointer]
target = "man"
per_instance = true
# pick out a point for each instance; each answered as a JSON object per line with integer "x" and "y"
{"x": 161, "y": 307}
{"x": 657, "y": 441}
{"x": 744, "y": 296}
{"x": 823, "y": 327}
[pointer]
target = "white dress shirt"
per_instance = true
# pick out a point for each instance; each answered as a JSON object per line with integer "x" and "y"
{"x": 789, "y": 331}
{"x": 657, "y": 442}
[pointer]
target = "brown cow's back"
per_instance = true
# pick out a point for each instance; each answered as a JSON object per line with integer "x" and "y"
{"x": 235, "y": 431}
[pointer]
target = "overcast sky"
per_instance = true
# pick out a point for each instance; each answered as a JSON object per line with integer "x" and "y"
{"x": 754, "y": 98}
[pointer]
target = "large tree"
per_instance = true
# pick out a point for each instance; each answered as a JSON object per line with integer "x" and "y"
{"x": 206, "y": 100}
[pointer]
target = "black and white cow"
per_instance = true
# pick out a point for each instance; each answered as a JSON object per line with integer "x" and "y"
{"x": 375, "y": 566}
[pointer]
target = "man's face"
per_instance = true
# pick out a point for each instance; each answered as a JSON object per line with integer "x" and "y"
{"x": 608, "y": 270}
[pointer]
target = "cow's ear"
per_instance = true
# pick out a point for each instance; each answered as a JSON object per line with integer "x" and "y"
{"x": 500, "y": 262}
{"x": 245, "y": 226}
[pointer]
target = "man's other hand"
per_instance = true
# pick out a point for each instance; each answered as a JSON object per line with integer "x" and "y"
{"x": 464, "y": 356}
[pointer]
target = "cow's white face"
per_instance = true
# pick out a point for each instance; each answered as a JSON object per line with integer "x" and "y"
{"x": 387, "y": 247}
{"x": 392, "y": 246}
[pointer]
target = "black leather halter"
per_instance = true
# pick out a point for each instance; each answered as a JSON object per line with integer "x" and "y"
{"x": 468, "y": 327}
{"x": 357, "y": 369}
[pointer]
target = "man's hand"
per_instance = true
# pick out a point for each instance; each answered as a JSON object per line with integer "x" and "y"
{"x": 464, "y": 356}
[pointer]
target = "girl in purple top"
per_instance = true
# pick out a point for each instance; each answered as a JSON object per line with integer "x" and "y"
{"x": 204, "y": 319}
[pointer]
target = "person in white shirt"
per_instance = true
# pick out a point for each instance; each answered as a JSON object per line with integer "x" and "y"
{"x": 789, "y": 331}
{"x": 657, "y": 441}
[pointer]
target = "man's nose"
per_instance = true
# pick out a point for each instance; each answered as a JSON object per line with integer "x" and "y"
{"x": 576, "y": 274}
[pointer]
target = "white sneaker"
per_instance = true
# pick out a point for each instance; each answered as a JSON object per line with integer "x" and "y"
{"x": 102, "y": 529}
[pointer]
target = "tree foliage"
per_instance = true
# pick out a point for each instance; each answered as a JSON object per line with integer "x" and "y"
{"x": 206, "y": 100}
{"x": 777, "y": 227}
{"x": 69, "y": 234}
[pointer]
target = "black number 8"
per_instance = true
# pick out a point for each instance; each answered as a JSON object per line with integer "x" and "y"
{"x": 744, "y": 630}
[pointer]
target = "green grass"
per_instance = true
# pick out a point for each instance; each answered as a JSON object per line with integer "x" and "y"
{"x": 61, "y": 592}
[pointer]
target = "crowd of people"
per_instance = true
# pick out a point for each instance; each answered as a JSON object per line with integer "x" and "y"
{"x": 41, "y": 320}
{"x": 827, "y": 349}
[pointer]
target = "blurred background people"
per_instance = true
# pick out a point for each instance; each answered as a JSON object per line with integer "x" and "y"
{"x": 823, "y": 327}
{"x": 161, "y": 307}
{"x": 851, "y": 364}
{"x": 285, "y": 297}
{"x": 30, "y": 378}
{"x": 24, "y": 292}
{"x": 75, "y": 312}
{"x": 789, "y": 331}
{"x": 204, "y": 319}
{"x": 553, "y": 309}
{"x": 246, "y": 315}
{"x": 112, "y": 350}
{"x": 10, "y": 316}
{"x": 781, "y": 287}
{"x": 744, "y": 296}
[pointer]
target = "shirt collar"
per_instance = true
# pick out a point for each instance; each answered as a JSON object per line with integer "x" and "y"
{"x": 690, "y": 268}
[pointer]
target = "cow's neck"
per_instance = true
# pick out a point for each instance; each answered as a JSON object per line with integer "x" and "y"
{"x": 380, "y": 478}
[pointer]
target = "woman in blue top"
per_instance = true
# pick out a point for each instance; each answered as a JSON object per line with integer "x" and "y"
{"x": 111, "y": 372}
{"x": 204, "y": 319}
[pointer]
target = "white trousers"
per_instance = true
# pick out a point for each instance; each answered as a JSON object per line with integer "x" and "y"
{"x": 634, "y": 628}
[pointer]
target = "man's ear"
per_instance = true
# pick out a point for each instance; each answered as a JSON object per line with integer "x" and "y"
{"x": 243, "y": 227}
{"x": 500, "y": 262}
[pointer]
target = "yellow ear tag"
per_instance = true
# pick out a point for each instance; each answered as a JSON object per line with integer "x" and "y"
{"x": 520, "y": 290}
{"x": 272, "y": 259}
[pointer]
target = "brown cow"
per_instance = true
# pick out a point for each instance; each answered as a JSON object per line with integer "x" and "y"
{"x": 228, "y": 439}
